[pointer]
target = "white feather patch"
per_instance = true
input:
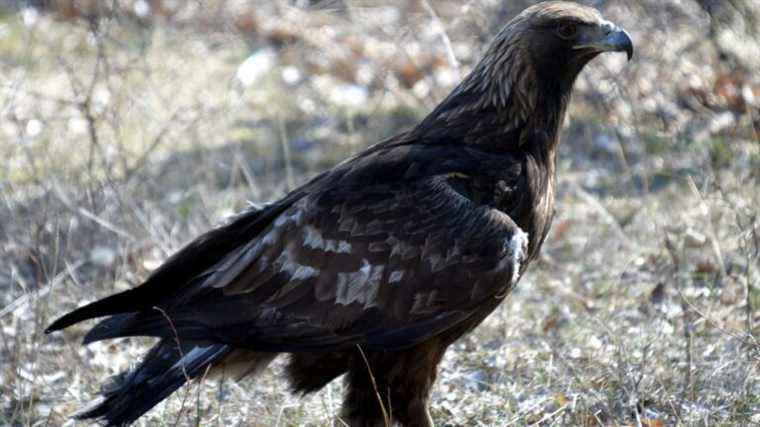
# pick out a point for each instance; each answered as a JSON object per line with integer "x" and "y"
{"x": 359, "y": 286}
{"x": 516, "y": 246}
{"x": 395, "y": 276}
{"x": 313, "y": 238}
{"x": 285, "y": 263}
{"x": 344, "y": 247}
{"x": 304, "y": 272}
{"x": 294, "y": 216}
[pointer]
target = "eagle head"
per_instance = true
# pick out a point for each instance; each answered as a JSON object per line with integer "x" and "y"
{"x": 562, "y": 37}
{"x": 559, "y": 38}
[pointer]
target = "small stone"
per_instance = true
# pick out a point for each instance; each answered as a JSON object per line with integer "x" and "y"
{"x": 694, "y": 239}
{"x": 102, "y": 256}
{"x": 477, "y": 380}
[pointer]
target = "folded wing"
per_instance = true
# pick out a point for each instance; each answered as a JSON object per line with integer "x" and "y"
{"x": 381, "y": 263}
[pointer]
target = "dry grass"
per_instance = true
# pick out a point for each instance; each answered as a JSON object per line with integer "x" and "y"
{"x": 120, "y": 142}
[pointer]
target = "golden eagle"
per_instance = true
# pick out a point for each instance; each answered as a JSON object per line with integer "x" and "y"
{"x": 374, "y": 267}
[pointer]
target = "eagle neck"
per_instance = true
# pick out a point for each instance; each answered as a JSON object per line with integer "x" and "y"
{"x": 504, "y": 105}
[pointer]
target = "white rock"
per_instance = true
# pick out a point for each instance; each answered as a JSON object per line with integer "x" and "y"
{"x": 349, "y": 95}
{"x": 291, "y": 75}
{"x": 30, "y": 16}
{"x": 33, "y": 128}
{"x": 141, "y": 8}
{"x": 102, "y": 256}
{"x": 256, "y": 66}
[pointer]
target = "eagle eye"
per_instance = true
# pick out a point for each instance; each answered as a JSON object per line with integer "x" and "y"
{"x": 567, "y": 31}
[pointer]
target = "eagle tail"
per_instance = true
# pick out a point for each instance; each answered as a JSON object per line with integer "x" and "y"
{"x": 163, "y": 370}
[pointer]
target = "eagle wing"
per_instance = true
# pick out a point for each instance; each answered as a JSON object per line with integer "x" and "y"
{"x": 383, "y": 251}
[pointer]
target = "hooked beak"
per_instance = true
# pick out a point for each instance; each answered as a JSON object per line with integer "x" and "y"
{"x": 610, "y": 38}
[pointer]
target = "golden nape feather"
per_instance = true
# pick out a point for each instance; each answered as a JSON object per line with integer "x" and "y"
{"x": 384, "y": 260}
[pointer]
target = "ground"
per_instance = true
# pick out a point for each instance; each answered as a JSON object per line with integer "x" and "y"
{"x": 126, "y": 131}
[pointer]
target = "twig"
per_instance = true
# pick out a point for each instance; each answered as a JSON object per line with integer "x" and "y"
{"x": 280, "y": 412}
{"x": 752, "y": 121}
{"x": 605, "y": 213}
{"x": 750, "y": 245}
{"x": 386, "y": 418}
{"x": 547, "y": 417}
{"x": 220, "y": 392}
{"x": 638, "y": 417}
{"x": 749, "y": 340}
{"x": 87, "y": 214}
{"x": 176, "y": 338}
{"x": 198, "y": 396}
{"x": 444, "y": 36}
{"x": 688, "y": 335}
{"x": 290, "y": 181}
{"x": 157, "y": 140}
{"x": 749, "y": 312}
{"x": 25, "y": 299}
{"x": 622, "y": 147}
{"x": 182, "y": 405}
{"x": 182, "y": 365}
{"x": 710, "y": 227}
{"x": 520, "y": 414}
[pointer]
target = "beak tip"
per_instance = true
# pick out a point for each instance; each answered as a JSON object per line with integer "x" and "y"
{"x": 627, "y": 44}
{"x": 629, "y": 52}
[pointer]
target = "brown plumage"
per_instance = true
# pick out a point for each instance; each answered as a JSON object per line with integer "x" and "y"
{"x": 380, "y": 263}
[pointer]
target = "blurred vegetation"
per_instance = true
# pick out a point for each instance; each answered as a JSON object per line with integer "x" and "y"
{"x": 129, "y": 127}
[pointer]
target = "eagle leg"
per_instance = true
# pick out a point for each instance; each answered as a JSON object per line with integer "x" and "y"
{"x": 402, "y": 380}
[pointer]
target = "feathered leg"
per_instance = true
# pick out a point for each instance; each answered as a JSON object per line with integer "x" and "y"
{"x": 400, "y": 380}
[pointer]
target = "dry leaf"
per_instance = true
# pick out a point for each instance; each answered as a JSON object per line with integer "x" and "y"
{"x": 706, "y": 267}
{"x": 551, "y": 323}
{"x": 652, "y": 422}
{"x": 561, "y": 400}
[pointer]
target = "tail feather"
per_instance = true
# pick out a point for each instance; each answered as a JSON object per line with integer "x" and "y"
{"x": 149, "y": 324}
{"x": 109, "y": 327}
{"x": 133, "y": 324}
{"x": 163, "y": 370}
